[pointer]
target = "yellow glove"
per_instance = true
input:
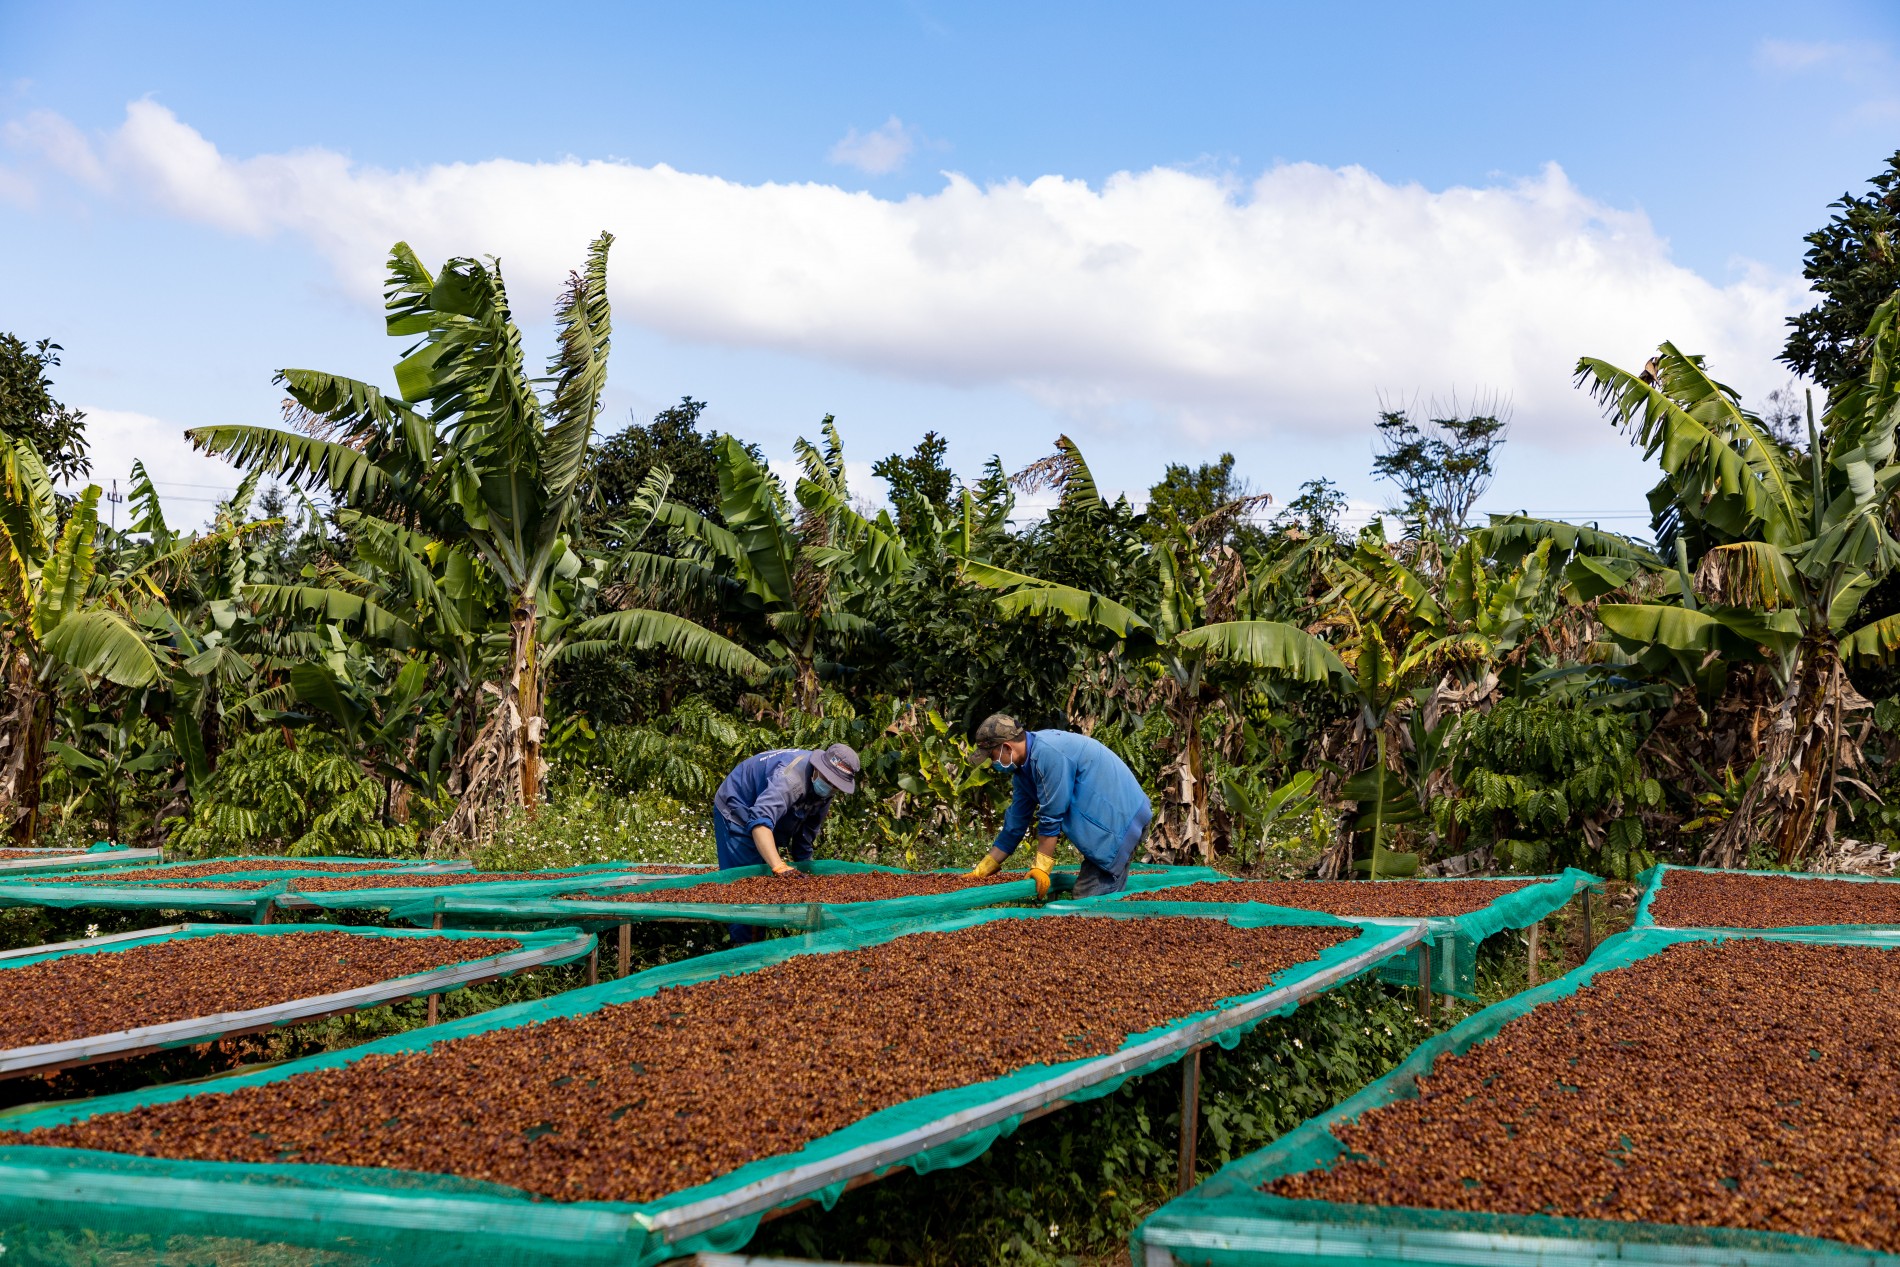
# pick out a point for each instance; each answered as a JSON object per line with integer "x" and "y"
{"x": 1039, "y": 872}
{"x": 985, "y": 866}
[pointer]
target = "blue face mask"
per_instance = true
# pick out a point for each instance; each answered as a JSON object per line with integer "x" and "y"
{"x": 1002, "y": 767}
{"x": 822, "y": 788}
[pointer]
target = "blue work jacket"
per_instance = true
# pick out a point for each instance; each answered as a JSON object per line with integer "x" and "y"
{"x": 773, "y": 790}
{"x": 1070, "y": 785}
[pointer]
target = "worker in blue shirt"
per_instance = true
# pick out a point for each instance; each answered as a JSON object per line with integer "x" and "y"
{"x": 775, "y": 804}
{"x": 1066, "y": 785}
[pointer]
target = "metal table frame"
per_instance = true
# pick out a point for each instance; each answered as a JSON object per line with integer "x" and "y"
{"x": 45, "y": 1057}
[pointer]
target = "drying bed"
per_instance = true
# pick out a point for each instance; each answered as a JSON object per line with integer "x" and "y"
{"x": 1458, "y": 913}
{"x": 115, "y": 996}
{"x": 1721, "y": 1096}
{"x": 665, "y": 1113}
{"x": 1695, "y": 897}
{"x": 24, "y": 859}
{"x": 823, "y": 895}
{"x": 1370, "y": 899}
{"x": 866, "y": 886}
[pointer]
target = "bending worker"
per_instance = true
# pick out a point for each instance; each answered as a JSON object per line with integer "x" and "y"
{"x": 1067, "y": 785}
{"x": 776, "y": 803}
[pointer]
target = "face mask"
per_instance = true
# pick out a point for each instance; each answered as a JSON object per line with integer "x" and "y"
{"x": 1005, "y": 767}
{"x": 822, "y": 788}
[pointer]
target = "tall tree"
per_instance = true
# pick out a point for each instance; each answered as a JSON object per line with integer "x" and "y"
{"x": 921, "y": 485}
{"x": 28, "y": 411}
{"x": 805, "y": 575}
{"x": 618, "y": 466}
{"x": 1854, "y": 262}
{"x": 1442, "y": 465}
{"x": 1774, "y": 551}
{"x": 476, "y": 456}
{"x": 58, "y": 618}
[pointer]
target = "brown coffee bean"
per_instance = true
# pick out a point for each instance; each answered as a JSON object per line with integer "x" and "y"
{"x": 1745, "y": 1083}
{"x": 1392, "y": 899}
{"x": 79, "y": 995}
{"x": 635, "y": 1100}
{"x": 865, "y": 886}
{"x": 1729, "y": 899}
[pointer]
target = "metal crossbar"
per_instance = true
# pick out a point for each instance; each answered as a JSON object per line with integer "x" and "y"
{"x": 44, "y": 1057}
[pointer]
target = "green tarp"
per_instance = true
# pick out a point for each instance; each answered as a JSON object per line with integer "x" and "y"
{"x": 570, "y": 904}
{"x": 1228, "y": 1222}
{"x": 28, "y": 861}
{"x": 1653, "y": 880}
{"x": 134, "y": 888}
{"x": 536, "y": 950}
{"x": 1453, "y": 939}
{"x": 47, "y": 1196}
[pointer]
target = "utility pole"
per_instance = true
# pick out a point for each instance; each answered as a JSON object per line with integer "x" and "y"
{"x": 115, "y": 498}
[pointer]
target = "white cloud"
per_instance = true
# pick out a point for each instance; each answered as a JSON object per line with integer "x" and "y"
{"x": 189, "y": 484}
{"x": 53, "y": 139}
{"x": 1797, "y": 55}
{"x": 880, "y": 151}
{"x": 1232, "y": 308}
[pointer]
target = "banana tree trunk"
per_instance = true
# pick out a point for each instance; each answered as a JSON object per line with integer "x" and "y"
{"x": 524, "y": 680}
{"x": 502, "y": 767}
{"x": 28, "y": 718}
{"x": 1799, "y": 762}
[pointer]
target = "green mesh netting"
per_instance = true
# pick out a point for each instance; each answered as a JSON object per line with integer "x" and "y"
{"x": 1227, "y": 1221}
{"x": 122, "y": 890}
{"x": 1452, "y": 940}
{"x": 496, "y": 907}
{"x": 166, "y": 1209}
{"x": 118, "y": 945}
{"x": 1653, "y": 880}
{"x": 31, "y": 861}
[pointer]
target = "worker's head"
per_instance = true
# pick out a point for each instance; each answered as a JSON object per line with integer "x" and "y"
{"x": 835, "y": 769}
{"x": 1000, "y": 740}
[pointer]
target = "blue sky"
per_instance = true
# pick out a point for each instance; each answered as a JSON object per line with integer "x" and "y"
{"x": 1166, "y": 230}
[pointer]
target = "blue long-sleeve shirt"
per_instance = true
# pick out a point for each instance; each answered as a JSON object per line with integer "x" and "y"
{"x": 773, "y": 790}
{"x": 1070, "y": 785}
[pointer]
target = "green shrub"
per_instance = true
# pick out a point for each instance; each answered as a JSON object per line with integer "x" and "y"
{"x": 303, "y": 795}
{"x": 589, "y": 821}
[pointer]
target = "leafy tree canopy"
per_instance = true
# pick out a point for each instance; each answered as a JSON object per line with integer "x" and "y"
{"x": 29, "y": 412}
{"x": 920, "y": 483}
{"x": 1442, "y": 465}
{"x": 622, "y": 462}
{"x": 1854, "y": 262}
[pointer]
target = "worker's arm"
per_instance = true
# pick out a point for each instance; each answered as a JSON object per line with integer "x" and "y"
{"x": 768, "y": 850}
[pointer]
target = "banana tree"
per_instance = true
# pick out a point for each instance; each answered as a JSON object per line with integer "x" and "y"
{"x": 1191, "y": 627}
{"x": 1775, "y": 548}
{"x": 475, "y": 455}
{"x": 806, "y": 576}
{"x": 58, "y": 618}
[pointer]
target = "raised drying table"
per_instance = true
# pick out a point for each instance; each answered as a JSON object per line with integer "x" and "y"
{"x": 1451, "y": 939}
{"x": 425, "y": 1219}
{"x": 536, "y": 950}
{"x": 1608, "y": 1134}
{"x": 17, "y": 859}
{"x": 1713, "y": 897}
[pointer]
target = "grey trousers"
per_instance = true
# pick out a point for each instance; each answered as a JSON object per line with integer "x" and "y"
{"x": 1099, "y": 881}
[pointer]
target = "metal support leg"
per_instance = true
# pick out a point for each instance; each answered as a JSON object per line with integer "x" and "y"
{"x": 593, "y": 965}
{"x": 1589, "y": 924}
{"x": 1535, "y": 933}
{"x": 1190, "y": 1118}
{"x": 1424, "y": 981}
{"x": 626, "y": 951}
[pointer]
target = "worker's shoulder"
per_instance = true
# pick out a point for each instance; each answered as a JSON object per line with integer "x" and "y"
{"x": 1067, "y": 743}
